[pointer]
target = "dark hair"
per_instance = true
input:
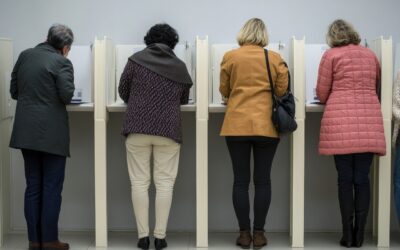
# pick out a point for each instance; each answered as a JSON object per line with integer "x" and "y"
{"x": 60, "y": 36}
{"x": 162, "y": 33}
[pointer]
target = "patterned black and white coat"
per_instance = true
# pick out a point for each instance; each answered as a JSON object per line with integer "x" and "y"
{"x": 153, "y": 102}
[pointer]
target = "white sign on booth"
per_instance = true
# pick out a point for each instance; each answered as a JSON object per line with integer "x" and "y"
{"x": 217, "y": 53}
{"x": 82, "y": 60}
{"x": 123, "y": 52}
{"x": 313, "y": 55}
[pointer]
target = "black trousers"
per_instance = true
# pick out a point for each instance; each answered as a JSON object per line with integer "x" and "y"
{"x": 264, "y": 149}
{"x": 354, "y": 188}
{"x": 44, "y": 175}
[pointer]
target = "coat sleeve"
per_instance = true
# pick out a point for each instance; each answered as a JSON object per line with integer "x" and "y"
{"x": 224, "y": 77}
{"x": 325, "y": 77}
{"x": 65, "y": 82}
{"x": 185, "y": 95}
{"x": 125, "y": 82}
{"x": 282, "y": 78}
{"x": 14, "y": 78}
{"x": 378, "y": 78}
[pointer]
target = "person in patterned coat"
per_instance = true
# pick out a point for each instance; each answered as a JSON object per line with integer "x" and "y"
{"x": 154, "y": 84}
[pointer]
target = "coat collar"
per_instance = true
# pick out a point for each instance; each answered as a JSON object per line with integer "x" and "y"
{"x": 251, "y": 46}
{"x": 47, "y": 47}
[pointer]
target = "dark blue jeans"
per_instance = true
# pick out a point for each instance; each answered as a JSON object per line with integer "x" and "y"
{"x": 44, "y": 175}
{"x": 264, "y": 149}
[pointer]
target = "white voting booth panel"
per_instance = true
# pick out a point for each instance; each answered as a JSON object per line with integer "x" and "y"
{"x": 7, "y": 109}
{"x": 383, "y": 49}
{"x": 217, "y": 53}
{"x": 397, "y": 60}
{"x": 123, "y": 52}
{"x": 313, "y": 55}
{"x": 82, "y": 59}
{"x": 7, "y": 105}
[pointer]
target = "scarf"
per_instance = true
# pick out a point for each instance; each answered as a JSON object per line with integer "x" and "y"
{"x": 161, "y": 59}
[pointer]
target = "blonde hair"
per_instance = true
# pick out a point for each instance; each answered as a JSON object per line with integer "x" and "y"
{"x": 341, "y": 33}
{"x": 253, "y": 32}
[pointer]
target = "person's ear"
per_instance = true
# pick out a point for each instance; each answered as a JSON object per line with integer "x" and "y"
{"x": 65, "y": 51}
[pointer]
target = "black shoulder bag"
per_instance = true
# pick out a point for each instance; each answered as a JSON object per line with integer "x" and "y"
{"x": 283, "y": 108}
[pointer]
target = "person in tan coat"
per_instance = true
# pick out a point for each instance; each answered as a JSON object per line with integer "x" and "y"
{"x": 248, "y": 126}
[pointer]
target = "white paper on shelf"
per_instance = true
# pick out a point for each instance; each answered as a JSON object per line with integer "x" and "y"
{"x": 397, "y": 61}
{"x": 123, "y": 52}
{"x": 217, "y": 53}
{"x": 82, "y": 60}
{"x": 313, "y": 55}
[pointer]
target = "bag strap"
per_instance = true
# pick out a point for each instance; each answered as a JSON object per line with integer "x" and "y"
{"x": 270, "y": 76}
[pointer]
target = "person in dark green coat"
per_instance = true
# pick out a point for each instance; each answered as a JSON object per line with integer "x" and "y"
{"x": 42, "y": 82}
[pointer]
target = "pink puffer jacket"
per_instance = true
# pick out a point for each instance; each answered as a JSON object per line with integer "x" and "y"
{"x": 348, "y": 80}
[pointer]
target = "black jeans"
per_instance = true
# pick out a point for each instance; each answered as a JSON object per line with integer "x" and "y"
{"x": 354, "y": 188}
{"x": 44, "y": 175}
{"x": 264, "y": 149}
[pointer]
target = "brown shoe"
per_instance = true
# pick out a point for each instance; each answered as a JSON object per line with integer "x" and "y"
{"x": 34, "y": 245}
{"x": 259, "y": 239}
{"x": 55, "y": 245}
{"x": 244, "y": 239}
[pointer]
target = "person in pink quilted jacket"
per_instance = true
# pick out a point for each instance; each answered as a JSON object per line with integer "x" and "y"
{"x": 352, "y": 123}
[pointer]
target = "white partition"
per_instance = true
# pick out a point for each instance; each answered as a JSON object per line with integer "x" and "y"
{"x": 123, "y": 52}
{"x": 202, "y": 84}
{"x": 383, "y": 49}
{"x": 7, "y": 105}
{"x": 82, "y": 59}
{"x": 217, "y": 53}
{"x": 313, "y": 55}
{"x": 397, "y": 60}
{"x": 297, "y": 144}
{"x": 7, "y": 109}
{"x": 104, "y": 77}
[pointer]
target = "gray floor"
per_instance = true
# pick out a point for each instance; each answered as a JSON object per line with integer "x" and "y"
{"x": 178, "y": 241}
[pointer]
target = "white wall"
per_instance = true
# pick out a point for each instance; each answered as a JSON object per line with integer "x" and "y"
{"x": 126, "y": 22}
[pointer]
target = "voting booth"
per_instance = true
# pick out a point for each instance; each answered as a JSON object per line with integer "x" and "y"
{"x": 97, "y": 114}
{"x": 81, "y": 57}
{"x": 381, "y": 177}
{"x": 123, "y": 52}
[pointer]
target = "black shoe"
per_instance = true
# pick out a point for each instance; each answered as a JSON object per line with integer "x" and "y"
{"x": 160, "y": 243}
{"x": 358, "y": 238}
{"x": 144, "y": 243}
{"x": 347, "y": 239}
{"x": 359, "y": 228}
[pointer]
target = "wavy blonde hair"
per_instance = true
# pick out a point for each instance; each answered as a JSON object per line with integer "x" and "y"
{"x": 341, "y": 33}
{"x": 253, "y": 32}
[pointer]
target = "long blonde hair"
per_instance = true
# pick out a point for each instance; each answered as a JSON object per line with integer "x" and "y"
{"x": 341, "y": 33}
{"x": 253, "y": 32}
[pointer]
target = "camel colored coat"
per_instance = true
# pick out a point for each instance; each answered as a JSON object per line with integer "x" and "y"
{"x": 244, "y": 81}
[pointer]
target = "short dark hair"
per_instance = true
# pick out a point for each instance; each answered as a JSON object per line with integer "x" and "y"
{"x": 59, "y": 36}
{"x": 162, "y": 33}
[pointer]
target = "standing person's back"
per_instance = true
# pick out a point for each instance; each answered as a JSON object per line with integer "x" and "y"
{"x": 352, "y": 124}
{"x": 154, "y": 84}
{"x": 348, "y": 82}
{"x": 154, "y": 93}
{"x": 43, "y": 85}
{"x": 42, "y": 82}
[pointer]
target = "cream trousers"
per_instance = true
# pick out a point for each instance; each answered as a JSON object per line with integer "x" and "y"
{"x": 139, "y": 148}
